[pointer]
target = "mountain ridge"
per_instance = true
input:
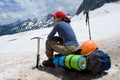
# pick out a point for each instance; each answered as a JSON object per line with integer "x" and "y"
{"x": 32, "y": 24}
{"x": 92, "y": 5}
{"x": 26, "y": 25}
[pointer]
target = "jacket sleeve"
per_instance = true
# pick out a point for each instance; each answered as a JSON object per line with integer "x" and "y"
{"x": 53, "y": 32}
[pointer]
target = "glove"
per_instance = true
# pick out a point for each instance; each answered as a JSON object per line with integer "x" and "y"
{"x": 58, "y": 39}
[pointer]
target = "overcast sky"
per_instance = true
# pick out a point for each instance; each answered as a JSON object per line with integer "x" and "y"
{"x": 12, "y": 10}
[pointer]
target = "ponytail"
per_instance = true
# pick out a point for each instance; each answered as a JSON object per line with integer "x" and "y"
{"x": 67, "y": 20}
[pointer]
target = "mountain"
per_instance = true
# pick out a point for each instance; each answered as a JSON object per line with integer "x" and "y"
{"x": 92, "y": 5}
{"x": 32, "y": 24}
{"x": 26, "y": 25}
{"x": 18, "y": 52}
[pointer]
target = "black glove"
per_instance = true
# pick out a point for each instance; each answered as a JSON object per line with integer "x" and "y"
{"x": 58, "y": 39}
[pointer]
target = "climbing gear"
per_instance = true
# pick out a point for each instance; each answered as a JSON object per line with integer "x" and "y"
{"x": 71, "y": 61}
{"x": 59, "y": 60}
{"x": 77, "y": 62}
{"x": 88, "y": 23}
{"x": 88, "y": 47}
{"x": 98, "y": 61}
{"x": 38, "y": 50}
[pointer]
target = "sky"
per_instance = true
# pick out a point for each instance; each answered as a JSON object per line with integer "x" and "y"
{"x": 18, "y": 51}
{"x": 12, "y": 10}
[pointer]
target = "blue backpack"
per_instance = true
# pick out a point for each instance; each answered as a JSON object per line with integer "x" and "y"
{"x": 98, "y": 61}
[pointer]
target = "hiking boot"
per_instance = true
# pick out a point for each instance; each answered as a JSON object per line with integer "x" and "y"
{"x": 48, "y": 63}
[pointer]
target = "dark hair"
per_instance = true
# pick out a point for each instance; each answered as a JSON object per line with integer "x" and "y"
{"x": 66, "y": 20}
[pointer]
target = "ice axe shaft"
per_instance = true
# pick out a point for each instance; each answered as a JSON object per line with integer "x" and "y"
{"x": 87, "y": 23}
{"x": 38, "y": 52}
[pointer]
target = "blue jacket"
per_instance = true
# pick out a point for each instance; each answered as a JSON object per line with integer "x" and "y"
{"x": 66, "y": 32}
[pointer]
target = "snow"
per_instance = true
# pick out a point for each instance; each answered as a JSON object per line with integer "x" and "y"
{"x": 18, "y": 51}
{"x": 101, "y": 23}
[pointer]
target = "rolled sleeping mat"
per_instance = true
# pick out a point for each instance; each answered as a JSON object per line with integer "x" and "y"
{"x": 77, "y": 62}
{"x": 67, "y": 61}
{"x": 59, "y": 60}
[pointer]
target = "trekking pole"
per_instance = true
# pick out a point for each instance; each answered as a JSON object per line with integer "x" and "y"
{"x": 87, "y": 23}
{"x": 38, "y": 50}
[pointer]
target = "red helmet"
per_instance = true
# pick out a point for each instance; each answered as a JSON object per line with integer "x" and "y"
{"x": 59, "y": 14}
{"x": 88, "y": 47}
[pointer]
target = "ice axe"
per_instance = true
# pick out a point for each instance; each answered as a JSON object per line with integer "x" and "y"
{"x": 38, "y": 55}
{"x": 87, "y": 23}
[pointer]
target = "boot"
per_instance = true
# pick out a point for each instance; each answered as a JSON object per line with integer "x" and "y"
{"x": 48, "y": 63}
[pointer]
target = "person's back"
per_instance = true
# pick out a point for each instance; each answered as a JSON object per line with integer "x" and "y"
{"x": 65, "y": 32}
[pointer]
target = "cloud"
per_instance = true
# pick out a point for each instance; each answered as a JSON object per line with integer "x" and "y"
{"x": 13, "y": 10}
{"x": 1, "y": 3}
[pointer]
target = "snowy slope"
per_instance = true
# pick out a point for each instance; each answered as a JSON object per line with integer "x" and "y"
{"x": 17, "y": 52}
{"x": 104, "y": 22}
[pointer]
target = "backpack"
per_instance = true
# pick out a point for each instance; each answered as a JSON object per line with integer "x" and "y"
{"x": 98, "y": 61}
